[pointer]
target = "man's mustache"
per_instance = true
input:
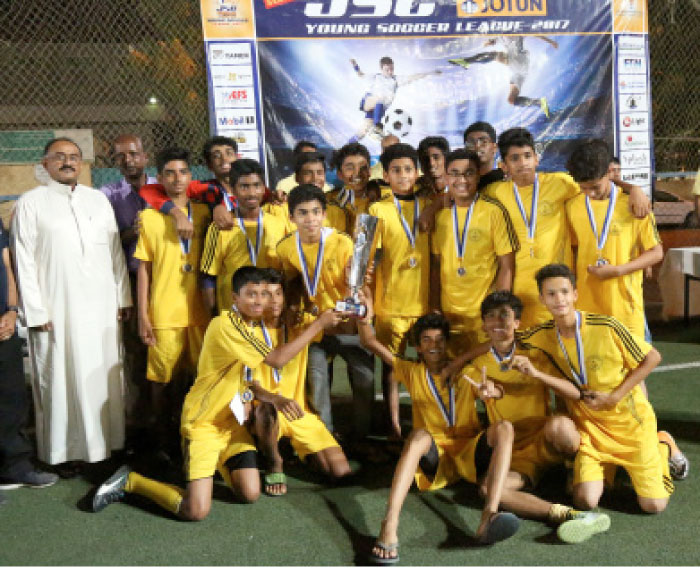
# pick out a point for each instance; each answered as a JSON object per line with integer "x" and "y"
{"x": 67, "y": 168}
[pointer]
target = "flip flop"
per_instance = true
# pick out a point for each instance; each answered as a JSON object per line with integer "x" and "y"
{"x": 386, "y": 549}
{"x": 502, "y": 525}
{"x": 272, "y": 478}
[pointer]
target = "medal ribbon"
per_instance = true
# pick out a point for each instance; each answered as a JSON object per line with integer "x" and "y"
{"x": 275, "y": 372}
{"x": 252, "y": 252}
{"x": 447, "y": 413}
{"x": 530, "y": 224}
{"x": 579, "y": 377}
{"x": 416, "y": 214}
{"x": 312, "y": 285}
{"x": 498, "y": 357}
{"x": 346, "y": 195}
{"x": 228, "y": 202}
{"x": 185, "y": 244}
{"x": 461, "y": 241}
{"x": 605, "y": 231}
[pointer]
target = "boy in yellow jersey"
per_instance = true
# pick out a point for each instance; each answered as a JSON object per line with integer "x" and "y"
{"x": 612, "y": 248}
{"x": 351, "y": 163}
{"x": 473, "y": 252}
{"x": 280, "y": 402}
{"x": 535, "y": 202}
{"x": 172, "y": 315}
{"x": 603, "y": 365}
{"x": 310, "y": 168}
{"x": 215, "y": 407}
{"x": 447, "y": 443}
{"x": 541, "y": 440}
{"x": 286, "y": 185}
{"x": 320, "y": 255}
{"x": 252, "y": 241}
{"x": 402, "y": 273}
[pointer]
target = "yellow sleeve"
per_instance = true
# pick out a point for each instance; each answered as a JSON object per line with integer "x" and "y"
{"x": 144, "y": 247}
{"x": 505, "y": 240}
{"x": 238, "y": 342}
{"x": 572, "y": 189}
{"x": 211, "y": 262}
{"x": 569, "y": 223}
{"x": 647, "y": 232}
{"x": 632, "y": 348}
{"x": 402, "y": 371}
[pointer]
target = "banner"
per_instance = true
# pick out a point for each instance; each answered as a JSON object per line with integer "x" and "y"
{"x": 332, "y": 71}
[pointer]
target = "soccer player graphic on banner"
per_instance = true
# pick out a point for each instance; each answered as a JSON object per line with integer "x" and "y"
{"x": 379, "y": 95}
{"x": 517, "y": 59}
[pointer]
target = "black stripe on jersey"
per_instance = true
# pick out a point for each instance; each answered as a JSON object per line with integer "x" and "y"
{"x": 510, "y": 229}
{"x": 243, "y": 329}
{"x": 210, "y": 249}
{"x": 668, "y": 484}
{"x": 622, "y": 332}
{"x": 551, "y": 359}
{"x": 529, "y": 332}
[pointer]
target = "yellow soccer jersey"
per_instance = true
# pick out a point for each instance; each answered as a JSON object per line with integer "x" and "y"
{"x": 335, "y": 217}
{"x": 230, "y": 345}
{"x": 403, "y": 273}
{"x": 551, "y": 242}
{"x": 628, "y": 237}
{"x": 610, "y": 353}
{"x": 175, "y": 300}
{"x": 227, "y": 251}
{"x": 354, "y": 205}
{"x": 337, "y": 252}
{"x": 524, "y": 397}
{"x": 431, "y": 413}
{"x": 490, "y": 235}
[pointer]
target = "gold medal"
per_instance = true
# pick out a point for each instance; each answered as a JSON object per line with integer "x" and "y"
{"x": 187, "y": 268}
{"x": 461, "y": 271}
{"x": 314, "y": 310}
{"x": 412, "y": 262}
{"x": 601, "y": 261}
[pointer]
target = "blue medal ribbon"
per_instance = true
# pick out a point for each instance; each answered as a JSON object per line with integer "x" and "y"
{"x": 530, "y": 224}
{"x": 276, "y": 374}
{"x": 228, "y": 202}
{"x": 406, "y": 229}
{"x": 580, "y": 377}
{"x": 311, "y": 285}
{"x": 461, "y": 240}
{"x": 186, "y": 244}
{"x": 448, "y": 413}
{"x": 346, "y": 195}
{"x": 605, "y": 231}
{"x": 502, "y": 360}
{"x": 253, "y": 252}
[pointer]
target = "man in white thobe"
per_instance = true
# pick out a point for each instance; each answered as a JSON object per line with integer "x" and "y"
{"x": 74, "y": 288}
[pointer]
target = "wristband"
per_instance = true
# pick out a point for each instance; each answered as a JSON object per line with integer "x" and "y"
{"x": 13, "y": 308}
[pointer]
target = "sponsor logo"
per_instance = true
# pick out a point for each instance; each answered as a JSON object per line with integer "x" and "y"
{"x": 632, "y": 84}
{"x": 225, "y": 77}
{"x": 634, "y": 140}
{"x": 634, "y": 121}
{"x": 246, "y": 139}
{"x": 234, "y": 120}
{"x": 234, "y": 97}
{"x": 632, "y": 65}
{"x": 230, "y": 53}
{"x": 226, "y": 9}
{"x": 635, "y": 159}
{"x": 633, "y": 103}
{"x": 639, "y": 176}
{"x": 631, "y": 43}
{"x": 501, "y": 8}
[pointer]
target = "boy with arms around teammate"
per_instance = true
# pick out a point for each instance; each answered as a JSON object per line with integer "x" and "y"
{"x": 541, "y": 440}
{"x": 447, "y": 442}
{"x": 280, "y": 395}
{"x": 208, "y": 420}
{"x": 319, "y": 255}
{"x": 603, "y": 365}
{"x": 612, "y": 247}
{"x": 535, "y": 201}
{"x": 473, "y": 251}
{"x": 253, "y": 241}
{"x": 172, "y": 316}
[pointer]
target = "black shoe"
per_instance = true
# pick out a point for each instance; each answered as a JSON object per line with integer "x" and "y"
{"x": 30, "y": 479}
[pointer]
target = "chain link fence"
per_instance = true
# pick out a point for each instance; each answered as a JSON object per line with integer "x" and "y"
{"x": 113, "y": 67}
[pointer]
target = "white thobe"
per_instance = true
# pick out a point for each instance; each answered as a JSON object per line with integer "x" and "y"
{"x": 71, "y": 272}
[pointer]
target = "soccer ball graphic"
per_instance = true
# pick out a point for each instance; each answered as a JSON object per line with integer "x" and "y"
{"x": 469, "y": 7}
{"x": 397, "y": 122}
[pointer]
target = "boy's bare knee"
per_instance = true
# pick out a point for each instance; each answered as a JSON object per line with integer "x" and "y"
{"x": 500, "y": 433}
{"x": 562, "y": 434}
{"x": 248, "y": 495}
{"x": 652, "y": 506}
{"x": 196, "y": 512}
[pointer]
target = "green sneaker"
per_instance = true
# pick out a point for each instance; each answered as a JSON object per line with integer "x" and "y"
{"x": 460, "y": 62}
{"x": 544, "y": 106}
{"x": 583, "y": 526}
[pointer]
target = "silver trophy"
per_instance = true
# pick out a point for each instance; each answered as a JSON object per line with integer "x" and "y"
{"x": 362, "y": 252}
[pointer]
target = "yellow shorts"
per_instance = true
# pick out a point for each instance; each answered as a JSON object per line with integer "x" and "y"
{"x": 307, "y": 434}
{"x": 174, "y": 347}
{"x": 203, "y": 457}
{"x": 465, "y": 333}
{"x": 457, "y": 460}
{"x": 393, "y": 332}
{"x": 532, "y": 455}
{"x": 648, "y": 469}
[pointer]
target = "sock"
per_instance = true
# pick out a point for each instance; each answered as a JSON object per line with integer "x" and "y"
{"x": 559, "y": 513}
{"x": 167, "y": 496}
{"x": 526, "y": 102}
{"x": 378, "y": 113}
